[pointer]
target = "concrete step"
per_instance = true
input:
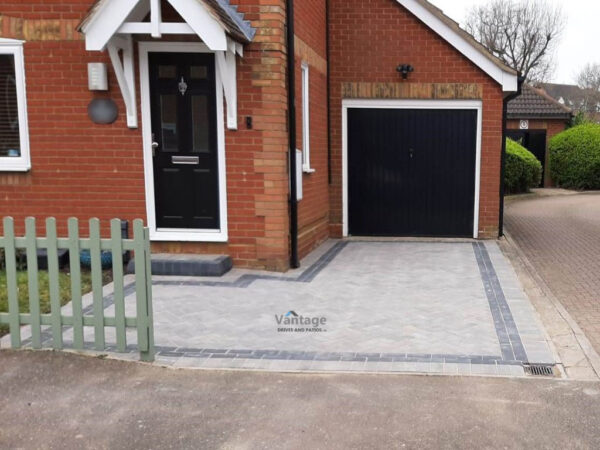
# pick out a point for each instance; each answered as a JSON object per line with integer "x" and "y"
{"x": 187, "y": 265}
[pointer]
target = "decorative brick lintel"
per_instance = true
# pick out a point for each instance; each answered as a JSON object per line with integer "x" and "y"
{"x": 39, "y": 30}
{"x": 423, "y": 91}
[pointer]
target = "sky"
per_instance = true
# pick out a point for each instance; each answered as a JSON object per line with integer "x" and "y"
{"x": 579, "y": 43}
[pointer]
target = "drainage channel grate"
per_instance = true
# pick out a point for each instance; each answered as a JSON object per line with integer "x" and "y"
{"x": 539, "y": 370}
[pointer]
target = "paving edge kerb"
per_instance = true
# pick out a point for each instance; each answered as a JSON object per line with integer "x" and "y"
{"x": 585, "y": 345}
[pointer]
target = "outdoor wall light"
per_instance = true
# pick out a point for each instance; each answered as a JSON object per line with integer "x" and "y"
{"x": 97, "y": 77}
{"x": 405, "y": 69}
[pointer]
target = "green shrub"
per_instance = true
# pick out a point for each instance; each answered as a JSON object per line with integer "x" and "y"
{"x": 523, "y": 170}
{"x": 575, "y": 157}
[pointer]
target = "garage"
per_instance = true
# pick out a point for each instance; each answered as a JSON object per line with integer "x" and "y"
{"x": 412, "y": 168}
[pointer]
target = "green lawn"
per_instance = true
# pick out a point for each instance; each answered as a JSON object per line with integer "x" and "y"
{"x": 65, "y": 291}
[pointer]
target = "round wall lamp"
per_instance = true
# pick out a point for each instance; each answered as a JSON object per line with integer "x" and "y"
{"x": 405, "y": 69}
{"x": 103, "y": 111}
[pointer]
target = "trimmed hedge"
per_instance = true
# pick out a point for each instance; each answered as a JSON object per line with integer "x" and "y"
{"x": 575, "y": 157}
{"x": 523, "y": 170}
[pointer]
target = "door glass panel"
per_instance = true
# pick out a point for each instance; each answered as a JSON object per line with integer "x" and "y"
{"x": 200, "y": 124}
{"x": 167, "y": 71}
{"x": 198, "y": 72}
{"x": 168, "y": 117}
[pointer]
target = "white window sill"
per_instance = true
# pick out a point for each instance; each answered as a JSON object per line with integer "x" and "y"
{"x": 308, "y": 170}
{"x": 14, "y": 167}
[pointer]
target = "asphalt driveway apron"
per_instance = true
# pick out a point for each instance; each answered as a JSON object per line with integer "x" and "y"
{"x": 443, "y": 307}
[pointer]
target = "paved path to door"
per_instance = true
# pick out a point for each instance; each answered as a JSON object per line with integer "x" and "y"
{"x": 560, "y": 235}
{"x": 426, "y": 307}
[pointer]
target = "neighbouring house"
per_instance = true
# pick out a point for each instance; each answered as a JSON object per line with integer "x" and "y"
{"x": 183, "y": 112}
{"x": 532, "y": 119}
{"x": 575, "y": 98}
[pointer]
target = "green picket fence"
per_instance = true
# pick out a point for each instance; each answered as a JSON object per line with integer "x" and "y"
{"x": 55, "y": 320}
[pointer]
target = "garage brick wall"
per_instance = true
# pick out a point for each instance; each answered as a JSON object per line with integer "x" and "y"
{"x": 311, "y": 48}
{"x": 86, "y": 170}
{"x": 369, "y": 38}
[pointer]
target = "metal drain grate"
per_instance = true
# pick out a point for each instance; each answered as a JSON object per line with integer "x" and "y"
{"x": 539, "y": 370}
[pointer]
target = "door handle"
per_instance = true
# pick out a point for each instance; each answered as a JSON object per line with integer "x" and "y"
{"x": 154, "y": 145}
{"x": 191, "y": 160}
{"x": 411, "y": 153}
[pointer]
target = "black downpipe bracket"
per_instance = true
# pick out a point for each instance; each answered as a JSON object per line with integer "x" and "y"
{"x": 291, "y": 86}
{"x": 507, "y": 99}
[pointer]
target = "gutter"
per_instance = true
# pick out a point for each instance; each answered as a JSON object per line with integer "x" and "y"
{"x": 507, "y": 99}
{"x": 291, "y": 87}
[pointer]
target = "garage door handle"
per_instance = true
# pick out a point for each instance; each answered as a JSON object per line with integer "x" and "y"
{"x": 192, "y": 160}
{"x": 411, "y": 152}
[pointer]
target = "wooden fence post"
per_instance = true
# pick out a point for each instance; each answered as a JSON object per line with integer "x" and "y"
{"x": 117, "y": 264}
{"x": 11, "y": 281}
{"x": 32, "y": 280}
{"x": 75, "y": 268}
{"x": 53, "y": 281}
{"x": 98, "y": 298}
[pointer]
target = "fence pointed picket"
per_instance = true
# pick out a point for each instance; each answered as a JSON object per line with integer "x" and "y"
{"x": 11, "y": 281}
{"x": 32, "y": 281}
{"x": 140, "y": 286}
{"x": 53, "y": 280}
{"x": 98, "y": 298}
{"x": 117, "y": 265}
{"x": 75, "y": 269}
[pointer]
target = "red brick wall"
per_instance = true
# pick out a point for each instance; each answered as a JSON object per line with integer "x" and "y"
{"x": 552, "y": 127}
{"x": 369, "y": 38}
{"x": 311, "y": 48}
{"x": 86, "y": 170}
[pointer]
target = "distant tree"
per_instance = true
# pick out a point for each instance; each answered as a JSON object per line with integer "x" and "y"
{"x": 588, "y": 80}
{"x": 522, "y": 33}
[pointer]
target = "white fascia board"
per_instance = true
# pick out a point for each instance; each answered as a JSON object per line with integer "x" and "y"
{"x": 202, "y": 22}
{"x": 106, "y": 22}
{"x": 507, "y": 80}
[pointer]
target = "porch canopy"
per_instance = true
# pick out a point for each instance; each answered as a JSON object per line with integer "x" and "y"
{"x": 110, "y": 25}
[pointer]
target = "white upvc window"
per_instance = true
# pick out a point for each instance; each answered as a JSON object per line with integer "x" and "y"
{"x": 306, "y": 120}
{"x": 14, "y": 133}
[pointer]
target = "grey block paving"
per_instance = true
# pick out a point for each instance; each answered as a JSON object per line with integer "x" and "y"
{"x": 415, "y": 307}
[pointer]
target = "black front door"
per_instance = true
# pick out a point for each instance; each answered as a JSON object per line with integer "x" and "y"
{"x": 184, "y": 128}
{"x": 411, "y": 172}
{"x": 535, "y": 142}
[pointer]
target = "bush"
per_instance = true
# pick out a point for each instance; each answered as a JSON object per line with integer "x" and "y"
{"x": 575, "y": 157}
{"x": 523, "y": 170}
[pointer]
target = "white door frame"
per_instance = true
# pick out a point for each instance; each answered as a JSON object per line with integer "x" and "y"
{"x": 409, "y": 104}
{"x": 176, "y": 234}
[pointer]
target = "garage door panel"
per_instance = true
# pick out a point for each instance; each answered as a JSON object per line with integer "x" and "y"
{"x": 411, "y": 172}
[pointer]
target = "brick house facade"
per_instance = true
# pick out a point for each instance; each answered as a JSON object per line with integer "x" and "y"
{"x": 78, "y": 168}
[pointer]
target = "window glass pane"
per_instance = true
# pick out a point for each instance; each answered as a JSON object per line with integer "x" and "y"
{"x": 10, "y": 144}
{"x": 201, "y": 123}
{"x": 168, "y": 118}
{"x": 199, "y": 72}
{"x": 167, "y": 71}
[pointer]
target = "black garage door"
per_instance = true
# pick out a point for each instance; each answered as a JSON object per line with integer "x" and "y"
{"x": 411, "y": 172}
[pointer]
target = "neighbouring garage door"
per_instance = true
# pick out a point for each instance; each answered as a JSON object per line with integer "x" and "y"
{"x": 411, "y": 172}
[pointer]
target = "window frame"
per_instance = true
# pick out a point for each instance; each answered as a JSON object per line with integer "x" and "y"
{"x": 305, "y": 84}
{"x": 20, "y": 163}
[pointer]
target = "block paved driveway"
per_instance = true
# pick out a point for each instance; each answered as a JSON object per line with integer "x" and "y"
{"x": 422, "y": 307}
{"x": 560, "y": 235}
